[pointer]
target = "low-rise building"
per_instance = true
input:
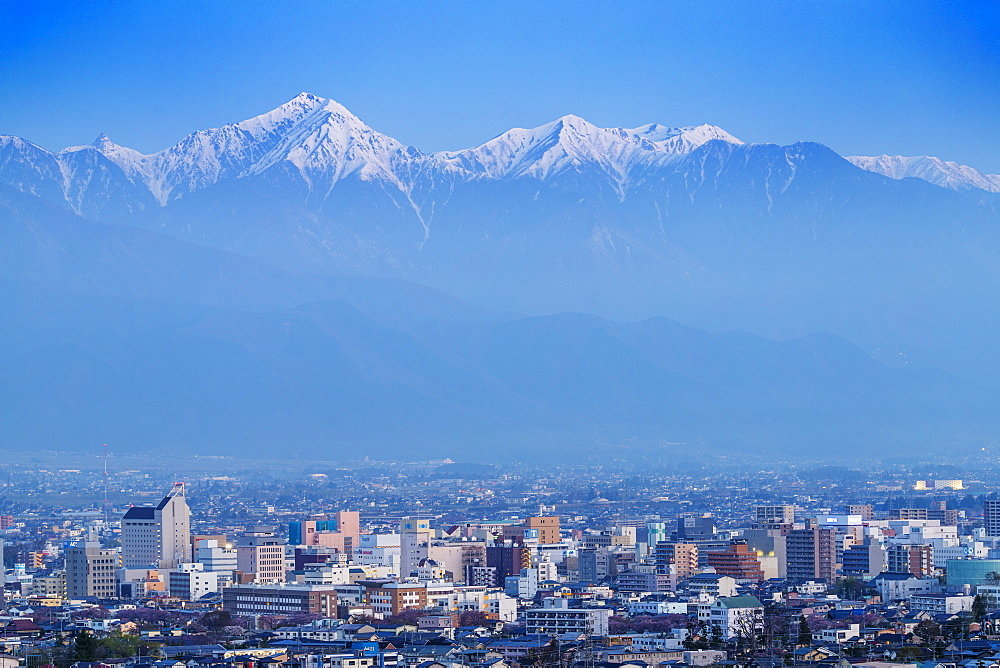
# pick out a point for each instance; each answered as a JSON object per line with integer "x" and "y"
{"x": 256, "y": 599}
{"x": 556, "y": 617}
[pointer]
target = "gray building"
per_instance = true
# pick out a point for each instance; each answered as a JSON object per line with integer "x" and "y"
{"x": 90, "y": 571}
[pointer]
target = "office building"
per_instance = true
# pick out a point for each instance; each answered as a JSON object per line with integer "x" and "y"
{"x": 414, "y": 539}
{"x": 158, "y": 536}
{"x": 695, "y": 527}
{"x": 259, "y": 551}
{"x": 286, "y": 599}
{"x": 340, "y": 533}
{"x": 191, "y": 582}
{"x": 991, "y": 516}
{"x": 547, "y": 529}
{"x": 90, "y": 571}
{"x": 865, "y": 510}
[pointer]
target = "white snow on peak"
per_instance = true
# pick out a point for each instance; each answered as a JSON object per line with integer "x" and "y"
{"x": 571, "y": 142}
{"x": 137, "y": 166}
{"x": 320, "y": 137}
{"x": 681, "y": 139}
{"x": 939, "y": 172}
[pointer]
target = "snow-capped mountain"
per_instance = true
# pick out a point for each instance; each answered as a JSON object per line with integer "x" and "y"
{"x": 321, "y": 139}
{"x": 320, "y": 143}
{"x": 934, "y": 170}
{"x": 571, "y": 143}
{"x": 324, "y": 143}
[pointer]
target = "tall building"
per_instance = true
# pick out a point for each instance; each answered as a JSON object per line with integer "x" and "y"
{"x": 915, "y": 559}
{"x": 678, "y": 558}
{"x": 90, "y": 571}
{"x": 215, "y": 558}
{"x": 158, "y": 536}
{"x": 811, "y": 554}
{"x": 864, "y": 560}
{"x": 547, "y": 528}
{"x": 414, "y": 539}
{"x": 991, "y": 516}
{"x": 261, "y": 552}
{"x": 506, "y": 560}
{"x": 782, "y": 514}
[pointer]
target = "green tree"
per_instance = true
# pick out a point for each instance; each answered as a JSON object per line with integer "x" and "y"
{"x": 927, "y": 630}
{"x": 978, "y": 608}
{"x": 805, "y": 634}
{"x": 86, "y": 646}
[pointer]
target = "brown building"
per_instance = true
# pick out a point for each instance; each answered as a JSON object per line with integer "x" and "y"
{"x": 915, "y": 559}
{"x": 811, "y": 554}
{"x": 507, "y": 560}
{"x": 866, "y": 511}
{"x": 547, "y": 527}
{"x": 390, "y": 597}
{"x": 678, "y": 558}
{"x": 738, "y": 561}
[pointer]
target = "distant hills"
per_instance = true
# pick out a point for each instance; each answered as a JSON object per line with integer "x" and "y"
{"x": 301, "y": 280}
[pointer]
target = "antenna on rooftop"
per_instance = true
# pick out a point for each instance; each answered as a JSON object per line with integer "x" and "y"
{"x": 105, "y": 486}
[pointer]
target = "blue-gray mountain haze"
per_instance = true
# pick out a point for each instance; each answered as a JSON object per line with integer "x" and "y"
{"x": 299, "y": 283}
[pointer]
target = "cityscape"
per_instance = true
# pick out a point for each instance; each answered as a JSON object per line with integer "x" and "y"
{"x": 443, "y": 563}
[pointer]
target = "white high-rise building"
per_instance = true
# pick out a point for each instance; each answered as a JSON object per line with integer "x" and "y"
{"x": 158, "y": 536}
{"x": 414, "y": 539}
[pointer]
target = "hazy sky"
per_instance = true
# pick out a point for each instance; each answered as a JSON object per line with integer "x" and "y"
{"x": 862, "y": 77}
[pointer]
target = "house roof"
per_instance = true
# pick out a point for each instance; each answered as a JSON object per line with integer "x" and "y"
{"x": 741, "y": 602}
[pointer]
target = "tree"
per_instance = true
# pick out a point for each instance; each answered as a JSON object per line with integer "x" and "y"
{"x": 474, "y": 618}
{"x": 927, "y": 630}
{"x": 978, "y": 608}
{"x": 805, "y": 633}
{"x": 216, "y": 620}
{"x": 850, "y": 588}
{"x": 86, "y": 646}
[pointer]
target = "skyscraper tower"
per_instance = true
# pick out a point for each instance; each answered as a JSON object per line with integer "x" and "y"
{"x": 158, "y": 536}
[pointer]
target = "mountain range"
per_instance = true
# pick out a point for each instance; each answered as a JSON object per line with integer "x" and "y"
{"x": 301, "y": 277}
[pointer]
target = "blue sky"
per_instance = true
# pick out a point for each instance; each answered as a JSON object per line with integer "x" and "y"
{"x": 862, "y": 77}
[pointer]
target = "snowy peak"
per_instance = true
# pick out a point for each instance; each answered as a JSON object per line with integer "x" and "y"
{"x": 572, "y": 143}
{"x": 939, "y": 172}
{"x": 104, "y": 144}
{"x": 677, "y": 140}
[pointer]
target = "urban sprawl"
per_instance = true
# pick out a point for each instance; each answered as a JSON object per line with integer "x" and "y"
{"x": 439, "y": 565}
